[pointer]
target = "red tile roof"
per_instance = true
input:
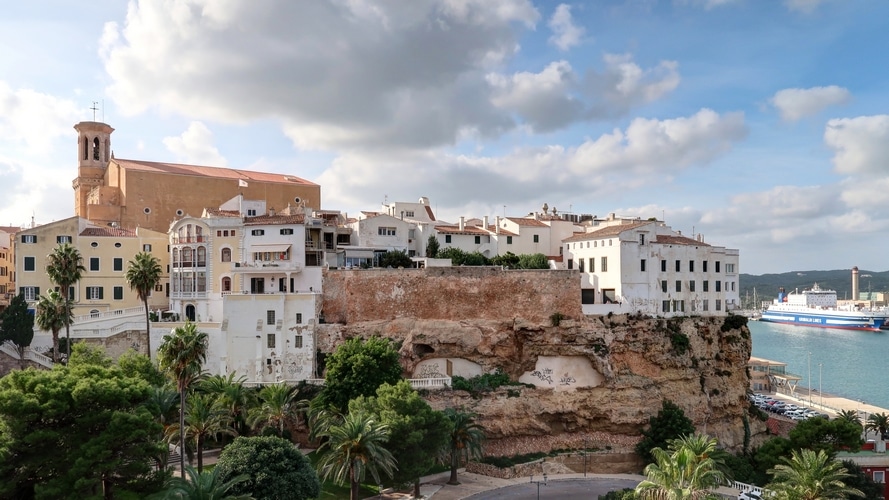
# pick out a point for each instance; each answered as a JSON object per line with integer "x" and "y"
{"x": 109, "y": 232}
{"x": 429, "y": 213}
{"x": 524, "y": 221}
{"x": 605, "y": 232}
{"x": 10, "y": 229}
{"x": 203, "y": 171}
{"x": 679, "y": 240}
{"x": 447, "y": 229}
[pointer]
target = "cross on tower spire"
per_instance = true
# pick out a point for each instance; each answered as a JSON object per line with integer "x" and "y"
{"x": 94, "y": 108}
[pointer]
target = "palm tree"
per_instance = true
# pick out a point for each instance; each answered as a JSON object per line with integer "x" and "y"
{"x": 849, "y": 416}
{"x": 143, "y": 274}
{"x": 182, "y": 354}
{"x": 162, "y": 404}
{"x": 466, "y": 440}
{"x": 202, "y": 486}
{"x": 233, "y": 395}
{"x": 878, "y": 422}
{"x": 353, "y": 448}
{"x": 685, "y": 471}
{"x": 64, "y": 267}
{"x": 53, "y": 312}
{"x": 808, "y": 475}
{"x": 277, "y": 403}
{"x": 203, "y": 418}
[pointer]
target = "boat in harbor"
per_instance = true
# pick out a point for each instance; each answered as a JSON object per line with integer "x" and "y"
{"x": 818, "y": 308}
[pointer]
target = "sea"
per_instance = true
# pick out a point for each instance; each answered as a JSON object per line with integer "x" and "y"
{"x": 848, "y": 363}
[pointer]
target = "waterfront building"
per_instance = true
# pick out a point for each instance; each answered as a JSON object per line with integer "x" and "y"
{"x": 768, "y": 376}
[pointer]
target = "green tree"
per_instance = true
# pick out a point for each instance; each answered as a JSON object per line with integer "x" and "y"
{"x": 810, "y": 475}
{"x": 533, "y": 261}
{"x": 143, "y": 274}
{"x": 17, "y": 326}
{"x": 233, "y": 395}
{"x": 358, "y": 368}
{"x": 432, "y": 247}
{"x": 878, "y": 422}
{"x": 275, "y": 468}
{"x": 828, "y": 435}
{"x": 465, "y": 440}
{"x": 163, "y": 404}
{"x": 767, "y": 456}
{"x": 277, "y": 404}
{"x": 849, "y": 416}
{"x": 395, "y": 259}
{"x": 64, "y": 267}
{"x": 417, "y": 431}
{"x": 669, "y": 424}
{"x": 134, "y": 364}
{"x": 182, "y": 354}
{"x": 83, "y": 354}
{"x": 74, "y": 431}
{"x": 52, "y": 314}
{"x": 685, "y": 471}
{"x": 352, "y": 449}
{"x": 203, "y": 486}
{"x": 861, "y": 480}
{"x": 203, "y": 419}
{"x": 508, "y": 260}
{"x": 460, "y": 258}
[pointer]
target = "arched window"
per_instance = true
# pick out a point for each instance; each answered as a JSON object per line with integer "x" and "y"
{"x": 186, "y": 257}
{"x": 96, "y": 149}
{"x": 176, "y": 261}
{"x": 94, "y": 313}
{"x": 202, "y": 257}
{"x": 86, "y": 149}
{"x": 226, "y": 255}
{"x": 226, "y": 284}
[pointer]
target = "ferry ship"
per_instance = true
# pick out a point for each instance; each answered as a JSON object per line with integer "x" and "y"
{"x": 818, "y": 308}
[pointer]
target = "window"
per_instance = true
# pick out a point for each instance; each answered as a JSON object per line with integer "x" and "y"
{"x": 257, "y": 232}
{"x": 580, "y": 265}
{"x": 118, "y": 293}
{"x": 509, "y": 240}
{"x": 705, "y": 266}
{"x": 718, "y": 305}
{"x": 678, "y": 285}
{"x": 270, "y": 340}
{"x": 663, "y": 265}
{"x": 226, "y": 284}
{"x": 678, "y": 265}
{"x": 270, "y": 317}
{"x": 641, "y": 238}
{"x": 385, "y": 231}
{"x": 536, "y": 238}
{"x": 94, "y": 263}
{"x": 299, "y": 318}
{"x": 30, "y": 264}
{"x": 218, "y": 233}
{"x": 298, "y": 341}
{"x": 592, "y": 265}
{"x": 729, "y": 268}
{"x": 718, "y": 286}
{"x": 146, "y": 248}
{"x": 287, "y": 230}
{"x": 733, "y": 286}
{"x": 706, "y": 304}
{"x": 706, "y": 286}
{"x": 588, "y": 296}
{"x": 118, "y": 264}
{"x": 604, "y": 265}
{"x": 31, "y": 292}
{"x": 63, "y": 239}
{"x": 226, "y": 255}
{"x": 233, "y": 232}
{"x": 879, "y": 475}
{"x": 94, "y": 293}
{"x": 478, "y": 240}
{"x": 716, "y": 266}
{"x": 664, "y": 286}
{"x": 642, "y": 265}
{"x": 691, "y": 266}
{"x": 691, "y": 286}
{"x": 665, "y": 306}
{"x": 570, "y": 264}
{"x": 251, "y": 212}
{"x": 447, "y": 238}
{"x": 29, "y": 238}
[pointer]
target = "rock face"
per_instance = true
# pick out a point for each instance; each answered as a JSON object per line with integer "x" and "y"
{"x": 698, "y": 363}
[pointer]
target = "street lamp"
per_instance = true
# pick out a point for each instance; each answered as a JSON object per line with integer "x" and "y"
{"x": 810, "y": 379}
{"x": 538, "y": 484}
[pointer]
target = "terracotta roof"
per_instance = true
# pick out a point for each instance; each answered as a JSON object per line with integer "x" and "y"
{"x": 217, "y": 172}
{"x": 503, "y": 232}
{"x": 524, "y": 221}
{"x": 108, "y": 231}
{"x": 10, "y": 229}
{"x": 215, "y": 212}
{"x": 679, "y": 240}
{"x": 429, "y": 213}
{"x": 605, "y": 232}
{"x": 274, "y": 219}
{"x": 466, "y": 230}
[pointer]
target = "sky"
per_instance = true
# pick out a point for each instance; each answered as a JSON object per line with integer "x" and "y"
{"x": 761, "y": 124}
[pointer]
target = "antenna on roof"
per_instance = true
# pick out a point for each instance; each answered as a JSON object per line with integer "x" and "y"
{"x": 94, "y": 108}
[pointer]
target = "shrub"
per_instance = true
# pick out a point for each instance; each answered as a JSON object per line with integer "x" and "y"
{"x": 485, "y": 382}
{"x": 734, "y": 322}
{"x": 556, "y": 318}
{"x": 277, "y": 469}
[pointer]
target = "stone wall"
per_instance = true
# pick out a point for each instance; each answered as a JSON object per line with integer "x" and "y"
{"x": 595, "y": 462}
{"x": 8, "y": 363}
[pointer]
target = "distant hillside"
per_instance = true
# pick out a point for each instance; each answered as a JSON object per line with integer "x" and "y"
{"x": 767, "y": 285}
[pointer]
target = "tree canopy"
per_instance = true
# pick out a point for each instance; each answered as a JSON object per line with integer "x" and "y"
{"x": 432, "y": 247}
{"x": 274, "y": 466}
{"x": 17, "y": 326}
{"x": 358, "y": 368}
{"x": 395, "y": 259}
{"x": 670, "y": 423}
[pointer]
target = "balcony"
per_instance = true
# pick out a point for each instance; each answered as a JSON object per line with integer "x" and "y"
{"x": 188, "y": 295}
{"x": 266, "y": 267}
{"x": 178, "y": 240}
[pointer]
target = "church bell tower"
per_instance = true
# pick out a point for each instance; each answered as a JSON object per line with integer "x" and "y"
{"x": 93, "y": 154}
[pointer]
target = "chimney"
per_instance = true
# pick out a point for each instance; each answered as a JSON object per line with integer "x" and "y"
{"x": 272, "y": 211}
{"x": 498, "y": 225}
{"x": 462, "y": 223}
{"x": 486, "y": 223}
{"x": 855, "y": 294}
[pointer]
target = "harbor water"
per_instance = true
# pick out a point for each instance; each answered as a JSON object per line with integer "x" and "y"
{"x": 848, "y": 363}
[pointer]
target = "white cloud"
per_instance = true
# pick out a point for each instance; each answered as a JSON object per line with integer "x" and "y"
{"x": 861, "y": 144}
{"x": 566, "y": 34}
{"x": 623, "y": 84}
{"x": 195, "y": 146}
{"x": 34, "y": 119}
{"x": 338, "y": 74}
{"x": 794, "y": 104}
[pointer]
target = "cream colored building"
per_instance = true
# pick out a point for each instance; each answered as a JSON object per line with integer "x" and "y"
{"x": 105, "y": 251}
{"x": 7, "y": 265}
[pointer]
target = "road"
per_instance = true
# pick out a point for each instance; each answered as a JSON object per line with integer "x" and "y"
{"x": 568, "y": 489}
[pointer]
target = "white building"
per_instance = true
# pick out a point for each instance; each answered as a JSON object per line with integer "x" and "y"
{"x": 630, "y": 265}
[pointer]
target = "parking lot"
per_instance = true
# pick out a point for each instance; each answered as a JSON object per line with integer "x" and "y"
{"x": 775, "y": 404}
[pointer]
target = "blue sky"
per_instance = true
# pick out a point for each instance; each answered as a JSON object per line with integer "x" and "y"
{"x": 763, "y": 125}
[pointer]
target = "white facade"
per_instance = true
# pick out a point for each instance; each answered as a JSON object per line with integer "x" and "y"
{"x": 644, "y": 266}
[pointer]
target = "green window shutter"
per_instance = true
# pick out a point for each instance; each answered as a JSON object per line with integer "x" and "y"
{"x": 101, "y": 292}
